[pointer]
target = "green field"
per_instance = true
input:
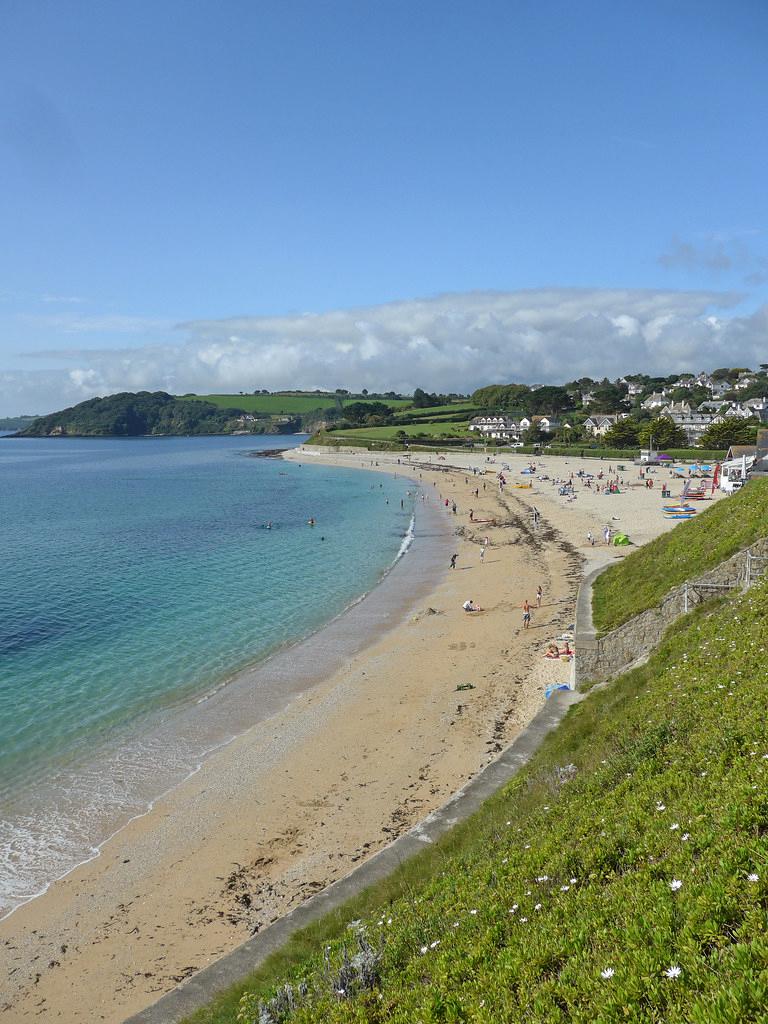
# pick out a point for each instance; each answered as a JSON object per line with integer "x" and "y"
{"x": 277, "y": 405}
{"x": 431, "y": 429}
{"x": 621, "y": 876}
{"x": 640, "y": 580}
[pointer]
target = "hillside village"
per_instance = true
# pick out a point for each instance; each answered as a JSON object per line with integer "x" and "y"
{"x": 734, "y": 400}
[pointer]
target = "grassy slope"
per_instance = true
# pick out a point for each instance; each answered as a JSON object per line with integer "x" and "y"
{"x": 672, "y": 765}
{"x": 642, "y": 579}
{"x": 276, "y": 405}
{"x": 432, "y": 428}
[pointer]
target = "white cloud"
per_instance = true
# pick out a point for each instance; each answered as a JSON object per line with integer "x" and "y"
{"x": 453, "y": 342}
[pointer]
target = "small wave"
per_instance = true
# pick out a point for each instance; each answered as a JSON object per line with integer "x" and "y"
{"x": 407, "y": 538}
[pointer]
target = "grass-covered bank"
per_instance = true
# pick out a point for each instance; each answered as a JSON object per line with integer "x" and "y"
{"x": 621, "y": 876}
{"x": 642, "y": 579}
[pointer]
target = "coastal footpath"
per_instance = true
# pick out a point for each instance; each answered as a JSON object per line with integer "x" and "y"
{"x": 361, "y": 757}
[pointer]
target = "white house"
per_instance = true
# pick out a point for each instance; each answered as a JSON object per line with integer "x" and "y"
{"x": 599, "y": 424}
{"x": 655, "y": 401}
{"x": 693, "y": 423}
{"x": 502, "y": 427}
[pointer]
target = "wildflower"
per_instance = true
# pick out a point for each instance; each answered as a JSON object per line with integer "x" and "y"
{"x": 564, "y": 888}
{"x": 660, "y": 807}
{"x": 435, "y": 944}
{"x": 537, "y": 907}
{"x": 473, "y": 911}
{"x": 685, "y": 836}
{"x": 523, "y": 920}
{"x": 675, "y": 884}
{"x": 754, "y": 877}
{"x": 674, "y": 827}
{"x": 423, "y": 950}
{"x": 513, "y": 908}
{"x": 573, "y": 881}
{"x": 455, "y": 924}
{"x": 543, "y": 878}
{"x": 607, "y": 972}
{"x": 673, "y": 972}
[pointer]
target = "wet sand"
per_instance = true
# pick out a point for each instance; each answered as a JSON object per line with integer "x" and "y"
{"x": 299, "y": 799}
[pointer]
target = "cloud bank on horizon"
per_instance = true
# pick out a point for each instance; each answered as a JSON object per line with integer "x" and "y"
{"x": 453, "y": 342}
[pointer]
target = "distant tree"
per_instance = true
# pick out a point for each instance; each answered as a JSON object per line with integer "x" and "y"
{"x": 730, "y": 431}
{"x": 665, "y": 433}
{"x": 363, "y": 412}
{"x": 422, "y": 400}
{"x": 729, "y": 373}
{"x": 607, "y": 397}
{"x": 502, "y": 396}
{"x": 365, "y": 391}
{"x": 534, "y": 434}
{"x": 623, "y": 434}
{"x": 548, "y": 399}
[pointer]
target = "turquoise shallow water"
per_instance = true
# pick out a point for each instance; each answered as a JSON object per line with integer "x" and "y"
{"x": 137, "y": 575}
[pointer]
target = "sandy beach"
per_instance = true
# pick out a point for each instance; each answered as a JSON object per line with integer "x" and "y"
{"x": 301, "y": 798}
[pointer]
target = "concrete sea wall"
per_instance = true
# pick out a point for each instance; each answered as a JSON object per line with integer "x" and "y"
{"x": 599, "y": 658}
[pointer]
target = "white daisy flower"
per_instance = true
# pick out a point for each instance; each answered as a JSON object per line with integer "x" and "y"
{"x": 673, "y": 972}
{"x": 675, "y": 884}
{"x": 754, "y": 877}
{"x": 607, "y": 972}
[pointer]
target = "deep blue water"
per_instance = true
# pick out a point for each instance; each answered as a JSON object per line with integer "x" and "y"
{"x": 136, "y": 576}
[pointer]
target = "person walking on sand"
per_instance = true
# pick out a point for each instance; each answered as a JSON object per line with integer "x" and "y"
{"x": 482, "y": 554}
{"x": 539, "y": 595}
{"x": 453, "y": 561}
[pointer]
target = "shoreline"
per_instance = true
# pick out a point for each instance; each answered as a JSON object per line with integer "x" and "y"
{"x": 298, "y": 800}
{"x": 304, "y": 657}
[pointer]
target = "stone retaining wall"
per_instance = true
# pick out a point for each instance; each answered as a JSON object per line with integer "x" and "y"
{"x": 601, "y": 658}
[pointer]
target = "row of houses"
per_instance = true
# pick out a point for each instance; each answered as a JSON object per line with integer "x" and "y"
{"x": 507, "y": 428}
{"x": 695, "y": 420}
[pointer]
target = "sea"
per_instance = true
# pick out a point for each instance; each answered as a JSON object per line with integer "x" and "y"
{"x": 160, "y": 595}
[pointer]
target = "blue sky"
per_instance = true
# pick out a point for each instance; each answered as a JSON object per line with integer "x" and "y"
{"x": 179, "y": 175}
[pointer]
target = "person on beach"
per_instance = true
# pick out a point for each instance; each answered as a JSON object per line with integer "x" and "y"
{"x": 470, "y": 606}
{"x": 539, "y": 595}
{"x": 526, "y": 615}
{"x": 482, "y": 554}
{"x": 453, "y": 561}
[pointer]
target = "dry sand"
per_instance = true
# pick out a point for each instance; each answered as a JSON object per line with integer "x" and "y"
{"x": 301, "y": 798}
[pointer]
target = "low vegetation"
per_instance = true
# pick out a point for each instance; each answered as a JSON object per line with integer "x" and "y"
{"x": 623, "y": 875}
{"x": 642, "y": 579}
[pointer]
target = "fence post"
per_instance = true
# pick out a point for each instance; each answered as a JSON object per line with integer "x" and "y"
{"x": 685, "y": 597}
